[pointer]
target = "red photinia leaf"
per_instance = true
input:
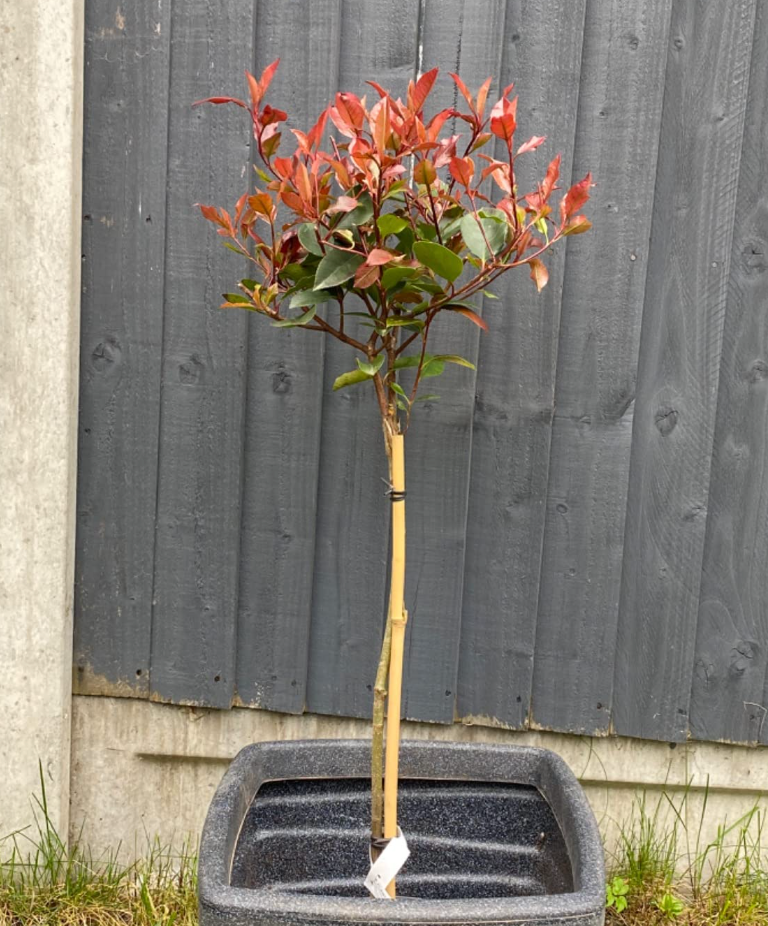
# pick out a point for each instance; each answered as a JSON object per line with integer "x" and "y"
{"x": 500, "y": 172}
{"x": 316, "y": 132}
{"x": 445, "y": 151}
{"x": 366, "y": 275}
{"x": 503, "y": 119}
{"x": 437, "y": 122}
{"x": 379, "y": 256}
{"x": 350, "y": 111}
{"x": 470, "y": 314}
{"x": 292, "y": 201}
{"x": 381, "y": 125}
{"x": 267, "y": 74}
{"x": 255, "y": 90}
{"x": 482, "y": 96}
{"x": 577, "y": 225}
{"x": 343, "y": 204}
{"x": 425, "y": 172}
{"x": 418, "y": 94}
{"x": 303, "y": 183}
{"x": 553, "y": 174}
{"x": 378, "y": 88}
{"x": 531, "y": 144}
{"x": 575, "y": 198}
{"x": 262, "y": 204}
{"x": 539, "y": 273}
{"x": 221, "y": 99}
{"x": 462, "y": 170}
{"x": 271, "y": 143}
{"x": 212, "y": 214}
{"x": 463, "y": 90}
{"x": 283, "y": 167}
{"x": 269, "y": 115}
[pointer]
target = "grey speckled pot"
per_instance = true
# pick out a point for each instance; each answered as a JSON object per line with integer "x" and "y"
{"x": 498, "y": 834}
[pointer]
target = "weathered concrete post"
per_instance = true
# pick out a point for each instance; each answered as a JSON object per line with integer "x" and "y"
{"x": 41, "y": 77}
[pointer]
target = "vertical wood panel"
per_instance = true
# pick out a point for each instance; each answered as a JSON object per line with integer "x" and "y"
{"x": 378, "y": 42}
{"x": 727, "y": 697}
{"x": 515, "y": 391}
{"x": 284, "y": 405}
{"x": 704, "y": 104}
{"x": 438, "y": 445}
{"x": 198, "y": 505}
{"x": 617, "y": 139}
{"x": 126, "y": 105}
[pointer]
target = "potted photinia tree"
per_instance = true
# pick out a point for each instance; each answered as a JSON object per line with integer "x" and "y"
{"x": 372, "y": 236}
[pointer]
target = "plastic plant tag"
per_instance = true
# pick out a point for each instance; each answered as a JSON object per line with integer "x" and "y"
{"x": 387, "y": 865}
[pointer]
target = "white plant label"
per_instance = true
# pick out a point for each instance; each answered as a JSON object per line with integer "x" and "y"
{"x": 387, "y": 865}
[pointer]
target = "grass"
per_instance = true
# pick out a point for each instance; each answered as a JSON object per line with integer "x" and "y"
{"x": 661, "y": 874}
{"x": 44, "y": 882}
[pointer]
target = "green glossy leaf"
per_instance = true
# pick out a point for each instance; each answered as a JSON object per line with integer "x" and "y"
{"x": 495, "y": 234}
{"x": 296, "y": 322}
{"x": 250, "y": 285}
{"x": 349, "y": 379}
{"x": 236, "y": 298}
{"x": 307, "y": 297}
{"x": 405, "y": 241}
{"x": 398, "y": 322}
{"x": 450, "y": 228}
{"x": 488, "y": 294}
{"x": 297, "y": 272}
{"x": 391, "y": 224}
{"x": 427, "y": 231}
{"x": 263, "y": 175}
{"x": 403, "y": 363}
{"x": 360, "y": 215}
{"x": 454, "y": 358}
{"x": 396, "y": 387}
{"x": 232, "y": 247}
{"x": 432, "y": 368}
{"x": 426, "y": 398}
{"x": 438, "y": 258}
{"x": 395, "y": 191}
{"x": 308, "y": 239}
{"x": 394, "y": 275}
{"x": 335, "y": 268}
{"x": 372, "y": 368}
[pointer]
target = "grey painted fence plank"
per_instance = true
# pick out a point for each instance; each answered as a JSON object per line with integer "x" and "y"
{"x": 727, "y": 696}
{"x": 515, "y": 391}
{"x": 284, "y": 407}
{"x": 617, "y": 138}
{"x": 198, "y": 507}
{"x": 704, "y": 104}
{"x": 378, "y": 42}
{"x": 459, "y": 37}
{"x": 126, "y": 107}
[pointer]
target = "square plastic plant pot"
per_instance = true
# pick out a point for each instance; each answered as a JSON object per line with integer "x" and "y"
{"x": 497, "y": 834}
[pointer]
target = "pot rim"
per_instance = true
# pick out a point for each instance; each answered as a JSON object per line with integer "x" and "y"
{"x": 293, "y": 760}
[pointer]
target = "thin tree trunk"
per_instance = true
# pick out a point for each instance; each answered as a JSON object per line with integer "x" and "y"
{"x": 377, "y": 744}
{"x": 397, "y": 618}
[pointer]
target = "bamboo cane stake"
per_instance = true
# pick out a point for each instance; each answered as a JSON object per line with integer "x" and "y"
{"x": 398, "y": 617}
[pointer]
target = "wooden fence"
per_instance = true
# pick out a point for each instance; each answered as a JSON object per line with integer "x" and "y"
{"x": 588, "y": 514}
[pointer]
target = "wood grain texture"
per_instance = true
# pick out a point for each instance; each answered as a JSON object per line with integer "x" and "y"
{"x": 704, "y": 104}
{"x": 729, "y": 676}
{"x": 515, "y": 391}
{"x": 457, "y": 37}
{"x": 378, "y": 42}
{"x": 126, "y": 106}
{"x": 204, "y": 355}
{"x": 617, "y": 139}
{"x": 284, "y": 406}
